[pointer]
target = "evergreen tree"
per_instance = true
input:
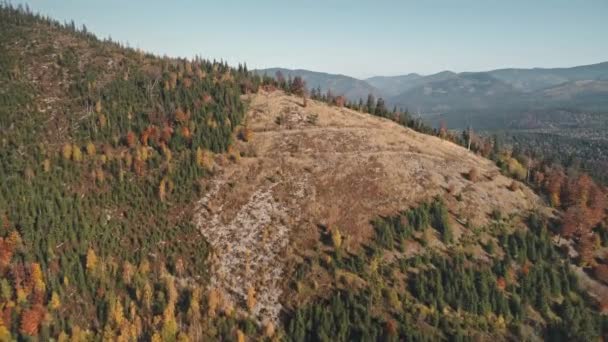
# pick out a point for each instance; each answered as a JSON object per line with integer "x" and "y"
{"x": 371, "y": 104}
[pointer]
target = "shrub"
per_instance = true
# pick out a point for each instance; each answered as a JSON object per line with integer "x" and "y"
{"x": 336, "y": 238}
{"x": 245, "y": 134}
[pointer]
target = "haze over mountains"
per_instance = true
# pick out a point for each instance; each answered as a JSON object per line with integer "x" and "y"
{"x": 350, "y": 87}
{"x": 488, "y": 99}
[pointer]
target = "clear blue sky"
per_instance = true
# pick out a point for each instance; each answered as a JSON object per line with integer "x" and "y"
{"x": 358, "y": 38}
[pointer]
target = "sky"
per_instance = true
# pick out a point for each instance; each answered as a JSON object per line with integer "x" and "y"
{"x": 356, "y": 38}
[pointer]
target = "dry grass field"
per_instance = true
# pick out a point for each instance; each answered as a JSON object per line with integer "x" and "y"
{"x": 304, "y": 170}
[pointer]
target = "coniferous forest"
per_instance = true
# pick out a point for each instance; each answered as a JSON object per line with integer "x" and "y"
{"x": 104, "y": 149}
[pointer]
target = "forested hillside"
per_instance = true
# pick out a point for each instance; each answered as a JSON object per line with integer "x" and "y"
{"x": 147, "y": 198}
{"x": 101, "y": 153}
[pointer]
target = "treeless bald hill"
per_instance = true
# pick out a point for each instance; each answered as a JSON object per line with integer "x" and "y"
{"x": 306, "y": 169}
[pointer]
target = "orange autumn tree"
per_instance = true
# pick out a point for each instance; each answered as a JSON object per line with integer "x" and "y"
{"x": 131, "y": 139}
{"x": 554, "y": 186}
{"x": 585, "y": 204}
{"x": 6, "y": 254}
{"x": 31, "y": 319}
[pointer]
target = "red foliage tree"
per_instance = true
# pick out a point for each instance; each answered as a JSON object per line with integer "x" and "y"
{"x": 573, "y": 222}
{"x": 601, "y": 273}
{"x": 391, "y": 327}
{"x": 166, "y": 133}
{"x": 131, "y": 139}
{"x": 340, "y": 101}
{"x": 31, "y": 319}
{"x": 6, "y": 253}
{"x": 501, "y": 283}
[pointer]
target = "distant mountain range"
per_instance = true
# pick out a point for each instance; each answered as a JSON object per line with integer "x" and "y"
{"x": 348, "y": 86}
{"x": 492, "y": 99}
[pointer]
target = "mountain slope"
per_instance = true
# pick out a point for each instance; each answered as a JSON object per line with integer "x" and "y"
{"x": 148, "y": 198}
{"x": 102, "y": 150}
{"x": 539, "y": 78}
{"x": 457, "y": 92}
{"x": 393, "y": 85}
{"x": 525, "y": 80}
{"x": 332, "y": 167}
{"x": 352, "y": 88}
{"x": 320, "y": 211}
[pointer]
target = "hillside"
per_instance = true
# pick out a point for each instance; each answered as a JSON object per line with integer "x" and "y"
{"x": 307, "y": 174}
{"x": 101, "y": 155}
{"x": 331, "y": 167}
{"x": 540, "y": 78}
{"x": 147, "y": 198}
{"x": 459, "y": 93}
{"x": 394, "y": 85}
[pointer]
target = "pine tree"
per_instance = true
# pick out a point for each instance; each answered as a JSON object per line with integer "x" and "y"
{"x": 371, "y": 104}
{"x": 380, "y": 109}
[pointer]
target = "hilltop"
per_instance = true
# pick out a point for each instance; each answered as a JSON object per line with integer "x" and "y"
{"x": 305, "y": 168}
{"x": 347, "y": 86}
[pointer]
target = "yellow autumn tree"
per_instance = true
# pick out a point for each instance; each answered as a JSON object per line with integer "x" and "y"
{"x": 162, "y": 190}
{"x": 5, "y": 334}
{"x": 147, "y": 296}
{"x": 516, "y": 169}
{"x": 269, "y": 329}
{"x": 167, "y": 153}
{"x": 66, "y": 151}
{"x": 55, "y": 302}
{"x": 240, "y": 336}
{"x": 91, "y": 149}
{"x": 37, "y": 278}
{"x": 63, "y": 337}
{"x": 169, "y": 329}
{"x": 103, "y": 121}
{"x": 117, "y": 312}
{"x": 46, "y": 165}
{"x": 14, "y": 240}
{"x": 204, "y": 159}
{"x": 213, "y": 302}
{"x": 127, "y": 272}
{"x": 91, "y": 260}
{"x": 171, "y": 290}
{"x": 336, "y": 238}
{"x": 76, "y": 153}
{"x": 194, "y": 309}
{"x": 100, "y": 176}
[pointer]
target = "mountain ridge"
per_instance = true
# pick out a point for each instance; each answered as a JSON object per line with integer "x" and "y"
{"x": 512, "y": 92}
{"x": 350, "y": 87}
